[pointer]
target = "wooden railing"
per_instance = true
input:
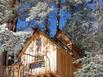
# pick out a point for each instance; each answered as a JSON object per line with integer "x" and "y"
{"x": 18, "y": 70}
{"x": 12, "y": 71}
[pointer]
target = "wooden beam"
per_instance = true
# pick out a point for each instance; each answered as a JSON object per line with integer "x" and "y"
{"x": 52, "y": 75}
{"x": 42, "y": 75}
{"x": 47, "y": 75}
{"x": 32, "y": 76}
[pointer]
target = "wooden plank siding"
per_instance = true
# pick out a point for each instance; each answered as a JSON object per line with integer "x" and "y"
{"x": 3, "y": 56}
{"x": 64, "y": 64}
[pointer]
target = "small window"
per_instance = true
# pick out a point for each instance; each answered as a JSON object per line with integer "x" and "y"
{"x": 37, "y": 64}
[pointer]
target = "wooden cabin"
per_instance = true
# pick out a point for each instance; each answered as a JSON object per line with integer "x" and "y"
{"x": 43, "y": 56}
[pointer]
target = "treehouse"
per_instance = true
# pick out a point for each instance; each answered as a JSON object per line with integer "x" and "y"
{"x": 43, "y": 56}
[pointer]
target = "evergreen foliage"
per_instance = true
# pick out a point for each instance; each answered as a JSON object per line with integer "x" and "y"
{"x": 92, "y": 65}
{"x": 11, "y": 41}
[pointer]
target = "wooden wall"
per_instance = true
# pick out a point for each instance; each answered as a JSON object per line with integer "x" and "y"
{"x": 2, "y": 63}
{"x": 46, "y": 49}
{"x": 1, "y": 66}
{"x": 64, "y": 64}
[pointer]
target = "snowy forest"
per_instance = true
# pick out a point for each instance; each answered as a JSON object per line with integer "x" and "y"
{"x": 81, "y": 20}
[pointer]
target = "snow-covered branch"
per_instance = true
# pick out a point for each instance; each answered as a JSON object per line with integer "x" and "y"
{"x": 92, "y": 65}
{"x": 11, "y": 41}
{"x": 40, "y": 10}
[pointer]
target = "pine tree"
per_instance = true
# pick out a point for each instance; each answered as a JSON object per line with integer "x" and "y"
{"x": 85, "y": 29}
{"x": 12, "y": 41}
{"x": 92, "y": 65}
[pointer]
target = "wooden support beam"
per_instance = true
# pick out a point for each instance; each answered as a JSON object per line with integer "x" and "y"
{"x": 32, "y": 76}
{"x": 57, "y": 76}
{"x": 52, "y": 75}
{"x": 42, "y": 75}
{"x": 47, "y": 75}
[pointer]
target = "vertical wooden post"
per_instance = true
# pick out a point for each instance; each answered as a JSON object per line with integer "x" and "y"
{"x": 2, "y": 63}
